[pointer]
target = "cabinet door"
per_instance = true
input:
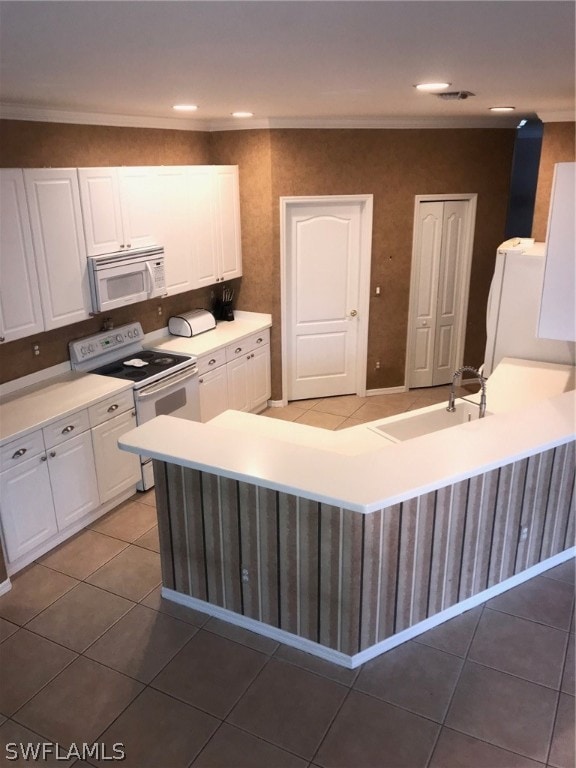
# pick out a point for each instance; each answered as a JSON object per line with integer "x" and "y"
{"x": 137, "y": 202}
{"x": 227, "y": 221}
{"x": 20, "y": 307}
{"x": 100, "y": 198}
{"x": 203, "y": 211}
{"x": 238, "y": 384}
{"x": 174, "y": 228}
{"x": 116, "y": 470}
{"x": 73, "y": 479}
{"x": 27, "y": 510}
{"x": 213, "y": 388}
{"x": 56, "y": 220}
{"x": 259, "y": 370}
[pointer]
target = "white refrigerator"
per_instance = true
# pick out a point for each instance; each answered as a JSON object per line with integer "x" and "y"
{"x": 514, "y": 308}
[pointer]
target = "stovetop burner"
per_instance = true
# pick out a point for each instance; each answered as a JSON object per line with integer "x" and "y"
{"x": 152, "y": 363}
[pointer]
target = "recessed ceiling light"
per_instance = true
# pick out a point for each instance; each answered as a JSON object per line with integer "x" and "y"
{"x": 502, "y": 109}
{"x": 242, "y": 114}
{"x": 432, "y": 86}
{"x": 185, "y": 107}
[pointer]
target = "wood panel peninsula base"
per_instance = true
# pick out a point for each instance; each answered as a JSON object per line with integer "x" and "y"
{"x": 346, "y": 555}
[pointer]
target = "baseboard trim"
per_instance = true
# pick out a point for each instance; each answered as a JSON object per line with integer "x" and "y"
{"x": 351, "y": 662}
{"x": 386, "y": 391}
{"x": 5, "y": 586}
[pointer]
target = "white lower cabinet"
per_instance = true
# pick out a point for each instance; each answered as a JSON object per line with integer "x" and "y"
{"x": 116, "y": 470}
{"x": 56, "y": 479}
{"x": 28, "y": 515}
{"x": 213, "y": 393}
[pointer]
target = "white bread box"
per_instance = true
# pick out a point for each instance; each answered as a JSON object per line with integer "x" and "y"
{"x": 191, "y": 323}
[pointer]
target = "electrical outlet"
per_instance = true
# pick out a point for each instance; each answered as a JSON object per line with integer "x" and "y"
{"x": 36, "y": 349}
{"x": 159, "y": 311}
{"x": 245, "y": 575}
{"x": 377, "y": 366}
{"x": 524, "y": 530}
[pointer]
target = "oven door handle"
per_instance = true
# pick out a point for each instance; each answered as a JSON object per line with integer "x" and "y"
{"x": 153, "y": 389}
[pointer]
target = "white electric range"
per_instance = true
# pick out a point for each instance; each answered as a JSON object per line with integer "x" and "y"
{"x": 163, "y": 382}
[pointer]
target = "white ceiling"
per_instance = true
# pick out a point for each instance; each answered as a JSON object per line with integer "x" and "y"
{"x": 290, "y": 62}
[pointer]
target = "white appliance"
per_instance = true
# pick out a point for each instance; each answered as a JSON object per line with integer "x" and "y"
{"x": 514, "y": 307}
{"x": 163, "y": 382}
{"x": 126, "y": 277}
{"x": 191, "y": 323}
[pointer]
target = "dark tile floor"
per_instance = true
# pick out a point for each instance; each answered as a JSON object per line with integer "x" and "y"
{"x": 90, "y": 652}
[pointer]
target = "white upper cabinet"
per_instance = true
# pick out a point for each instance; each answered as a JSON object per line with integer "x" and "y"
{"x": 557, "y": 310}
{"x": 56, "y": 223}
{"x": 215, "y": 202}
{"x": 118, "y": 208}
{"x": 20, "y": 307}
{"x": 174, "y": 226}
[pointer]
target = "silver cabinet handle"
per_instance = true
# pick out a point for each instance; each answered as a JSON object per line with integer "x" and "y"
{"x": 113, "y": 408}
{"x": 200, "y": 381}
{"x": 211, "y": 362}
{"x": 44, "y": 458}
{"x": 69, "y": 428}
{"x": 20, "y": 452}
{"x": 237, "y": 350}
{"x": 2, "y": 338}
{"x": 52, "y": 454}
{"x": 259, "y": 341}
{"x": 353, "y": 313}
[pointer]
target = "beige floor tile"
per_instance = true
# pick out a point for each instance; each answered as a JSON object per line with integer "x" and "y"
{"x": 131, "y": 574}
{"x": 520, "y": 647}
{"x": 15, "y": 738}
{"x": 149, "y": 540}
{"x": 83, "y": 554}
{"x": 562, "y": 749}
{"x": 414, "y": 677}
{"x": 289, "y": 707}
{"x": 145, "y": 497}
{"x": 344, "y": 405}
{"x": 79, "y": 703}
{"x": 78, "y": 618}
{"x": 318, "y": 419}
{"x": 373, "y": 411}
{"x": 28, "y": 662}
{"x": 547, "y": 601}
{"x": 33, "y": 589}
{"x": 455, "y": 635}
{"x": 128, "y": 522}
{"x": 503, "y": 710}
{"x": 141, "y": 643}
{"x": 368, "y": 732}
{"x": 159, "y": 732}
{"x": 210, "y": 673}
{"x": 399, "y": 401}
{"x": 155, "y": 600}
{"x": 232, "y": 747}
{"x": 350, "y": 421}
{"x": 456, "y": 750}
{"x": 289, "y": 412}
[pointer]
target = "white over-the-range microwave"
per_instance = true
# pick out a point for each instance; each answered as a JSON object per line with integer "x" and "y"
{"x": 125, "y": 277}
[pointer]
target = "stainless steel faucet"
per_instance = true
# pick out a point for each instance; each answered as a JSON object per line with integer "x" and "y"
{"x": 452, "y": 400}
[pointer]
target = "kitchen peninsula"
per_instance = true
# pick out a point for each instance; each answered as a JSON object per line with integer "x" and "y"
{"x": 345, "y": 544}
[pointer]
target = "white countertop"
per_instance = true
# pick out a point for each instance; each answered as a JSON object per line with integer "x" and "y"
{"x": 36, "y": 406}
{"x": 244, "y": 324}
{"x": 363, "y": 480}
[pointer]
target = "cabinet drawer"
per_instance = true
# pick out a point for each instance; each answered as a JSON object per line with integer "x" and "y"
{"x": 112, "y": 406}
{"x": 210, "y": 362}
{"x": 18, "y": 451}
{"x": 247, "y": 344}
{"x": 66, "y": 428}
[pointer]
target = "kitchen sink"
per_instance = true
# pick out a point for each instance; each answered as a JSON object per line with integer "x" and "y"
{"x": 422, "y": 422}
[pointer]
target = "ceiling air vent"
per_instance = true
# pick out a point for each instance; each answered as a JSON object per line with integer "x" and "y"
{"x": 454, "y": 95}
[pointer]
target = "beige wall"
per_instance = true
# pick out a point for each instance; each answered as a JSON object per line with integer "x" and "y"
{"x": 393, "y": 165}
{"x": 558, "y": 146}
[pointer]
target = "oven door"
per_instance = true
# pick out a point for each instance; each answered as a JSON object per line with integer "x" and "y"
{"x": 175, "y": 395}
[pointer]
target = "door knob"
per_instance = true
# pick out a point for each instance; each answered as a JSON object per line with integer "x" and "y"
{"x": 353, "y": 313}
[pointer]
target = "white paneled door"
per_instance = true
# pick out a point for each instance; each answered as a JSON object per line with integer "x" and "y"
{"x": 327, "y": 267}
{"x": 439, "y": 291}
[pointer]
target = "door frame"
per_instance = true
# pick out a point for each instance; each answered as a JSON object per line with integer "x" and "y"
{"x": 463, "y": 283}
{"x": 366, "y": 212}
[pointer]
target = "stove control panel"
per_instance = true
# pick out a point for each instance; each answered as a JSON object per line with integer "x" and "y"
{"x": 92, "y": 347}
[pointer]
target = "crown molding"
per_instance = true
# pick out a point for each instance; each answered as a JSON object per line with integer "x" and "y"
{"x": 24, "y": 112}
{"x": 564, "y": 116}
